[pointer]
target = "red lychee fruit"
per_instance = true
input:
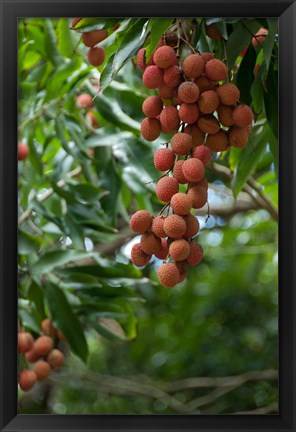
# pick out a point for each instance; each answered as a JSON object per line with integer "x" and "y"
{"x": 172, "y": 76}
{"x": 242, "y": 115}
{"x": 188, "y": 113}
{"x": 179, "y": 249}
{"x": 204, "y": 83}
{"x": 92, "y": 38}
{"x": 27, "y": 379}
{"x": 216, "y": 70}
{"x": 181, "y": 203}
{"x": 150, "y": 244}
{"x": 218, "y": 142}
{"x": 198, "y": 196}
{"x": 196, "y": 134}
{"x": 225, "y": 115}
{"x": 228, "y": 94}
{"x": 181, "y": 143}
{"x": 195, "y": 254}
{"x": 141, "y": 221}
{"x": 22, "y": 151}
{"x": 158, "y": 227}
{"x": 43, "y": 345}
{"x": 168, "y": 275}
{"x": 42, "y": 370}
{"x": 193, "y": 170}
{"x": 55, "y": 358}
{"x": 174, "y": 226}
{"x": 208, "y": 124}
{"x": 192, "y": 226}
{"x": 85, "y": 101}
{"x": 193, "y": 66}
{"x": 188, "y": 92}
{"x": 169, "y": 119}
{"x": 259, "y": 36}
{"x": 166, "y": 187}
{"x": 212, "y": 32}
{"x": 202, "y": 153}
{"x": 207, "y": 56}
{"x": 96, "y": 56}
{"x": 182, "y": 267}
{"x": 92, "y": 120}
{"x": 139, "y": 257}
{"x": 25, "y": 342}
{"x": 152, "y": 106}
{"x": 47, "y": 327}
{"x": 165, "y": 57}
{"x": 178, "y": 172}
{"x": 208, "y": 101}
{"x": 165, "y": 92}
{"x": 238, "y": 137}
{"x": 164, "y": 159}
{"x": 152, "y": 77}
{"x": 150, "y": 128}
{"x": 141, "y": 60}
{"x": 164, "y": 251}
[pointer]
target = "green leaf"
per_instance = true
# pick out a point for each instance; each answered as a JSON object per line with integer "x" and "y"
{"x": 66, "y": 44}
{"x": 157, "y": 26}
{"x": 27, "y": 243}
{"x": 132, "y": 41}
{"x": 51, "y": 44}
{"x": 107, "y": 73}
{"x": 109, "y": 330}
{"x": 257, "y": 89}
{"x": 89, "y": 24}
{"x": 240, "y": 38}
{"x": 245, "y": 76}
{"x": 36, "y": 295}
{"x": 104, "y": 269}
{"x": 202, "y": 42}
{"x": 269, "y": 41}
{"x": 66, "y": 321}
{"x": 271, "y": 100}
{"x": 110, "y": 180}
{"x": 250, "y": 156}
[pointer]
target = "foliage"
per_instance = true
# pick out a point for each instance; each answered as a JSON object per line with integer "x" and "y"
{"x": 79, "y": 185}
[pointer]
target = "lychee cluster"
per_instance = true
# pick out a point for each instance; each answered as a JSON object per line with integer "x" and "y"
{"x": 200, "y": 108}
{"x": 40, "y": 353}
{"x": 85, "y": 101}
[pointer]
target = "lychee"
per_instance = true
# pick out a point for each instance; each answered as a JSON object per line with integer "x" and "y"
{"x": 238, "y": 137}
{"x": 152, "y": 106}
{"x": 193, "y": 170}
{"x": 43, "y": 345}
{"x": 212, "y": 32}
{"x": 181, "y": 203}
{"x": 207, "y": 56}
{"x": 92, "y": 120}
{"x": 198, "y": 196}
{"x": 228, "y": 94}
{"x": 182, "y": 267}
{"x": 172, "y": 76}
{"x": 28, "y": 378}
{"x": 188, "y": 92}
{"x": 192, "y": 226}
{"x": 166, "y": 92}
{"x": 196, "y": 134}
{"x": 225, "y": 115}
{"x": 193, "y": 66}
{"x": 85, "y": 101}
{"x": 164, "y": 251}
{"x": 169, "y": 119}
{"x": 158, "y": 227}
{"x": 92, "y": 38}
{"x": 242, "y": 115}
{"x": 139, "y": 257}
{"x": 141, "y": 221}
{"x": 181, "y": 143}
{"x": 22, "y": 151}
{"x": 208, "y": 101}
{"x": 166, "y": 187}
{"x": 202, "y": 153}
{"x": 25, "y": 342}
{"x": 96, "y": 56}
{"x": 150, "y": 243}
{"x": 217, "y": 142}
{"x": 188, "y": 113}
{"x": 179, "y": 249}
{"x": 216, "y": 70}
{"x": 164, "y": 57}
{"x": 168, "y": 275}
{"x": 164, "y": 159}
{"x": 42, "y": 370}
{"x": 47, "y": 327}
{"x": 31, "y": 356}
{"x": 204, "y": 83}
{"x": 141, "y": 60}
{"x": 55, "y": 358}
{"x": 152, "y": 77}
{"x": 178, "y": 172}
{"x": 174, "y": 226}
{"x": 195, "y": 254}
{"x": 208, "y": 124}
{"x": 150, "y": 128}
{"x": 259, "y": 36}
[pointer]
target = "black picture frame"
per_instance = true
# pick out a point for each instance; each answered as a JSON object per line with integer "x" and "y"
{"x": 284, "y": 421}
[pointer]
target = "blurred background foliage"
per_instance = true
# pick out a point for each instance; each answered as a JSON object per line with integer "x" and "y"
{"x": 208, "y": 346}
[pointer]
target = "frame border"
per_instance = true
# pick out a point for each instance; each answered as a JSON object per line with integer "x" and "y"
{"x": 10, "y": 10}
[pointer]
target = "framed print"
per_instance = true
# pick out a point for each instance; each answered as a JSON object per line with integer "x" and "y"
{"x": 147, "y": 216}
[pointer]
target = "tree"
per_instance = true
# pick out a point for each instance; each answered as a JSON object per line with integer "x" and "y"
{"x": 84, "y": 169}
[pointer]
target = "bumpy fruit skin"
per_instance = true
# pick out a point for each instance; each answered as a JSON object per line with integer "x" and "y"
{"x": 92, "y": 38}
{"x": 207, "y": 56}
{"x": 174, "y": 226}
{"x": 152, "y": 77}
{"x": 181, "y": 204}
{"x": 138, "y": 257}
{"x": 193, "y": 170}
{"x": 152, "y": 106}
{"x": 163, "y": 253}
{"x": 43, "y": 345}
{"x": 212, "y": 32}
{"x": 204, "y": 83}
{"x": 193, "y": 66}
{"x": 22, "y": 151}
{"x": 150, "y": 244}
{"x": 42, "y": 370}
{"x": 202, "y": 153}
{"x": 169, "y": 119}
{"x": 203, "y": 183}
{"x": 158, "y": 227}
{"x": 188, "y": 92}
{"x": 55, "y": 358}
{"x": 85, "y": 101}
{"x": 260, "y": 36}
{"x": 208, "y": 124}
{"x": 25, "y": 342}
{"x": 182, "y": 267}
{"x": 208, "y": 102}
{"x": 196, "y": 134}
{"x": 141, "y": 59}
{"x": 192, "y": 226}
{"x": 150, "y": 128}
{"x": 141, "y": 221}
{"x": 47, "y": 327}
{"x": 238, "y": 137}
{"x": 166, "y": 187}
{"x": 165, "y": 92}
{"x": 179, "y": 249}
{"x": 164, "y": 159}
{"x": 178, "y": 172}
{"x": 165, "y": 57}
{"x": 218, "y": 142}
{"x": 181, "y": 143}
{"x": 188, "y": 113}
{"x": 242, "y": 115}
{"x": 216, "y": 70}
{"x": 228, "y": 94}
{"x": 196, "y": 254}
{"x": 198, "y": 196}
{"x": 31, "y": 356}
{"x": 92, "y": 119}
{"x": 172, "y": 76}
{"x": 225, "y": 115}
{"x": 168, "y": 275}
{"x": 96, "y": 56}
{"x": 27, "y": 379}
